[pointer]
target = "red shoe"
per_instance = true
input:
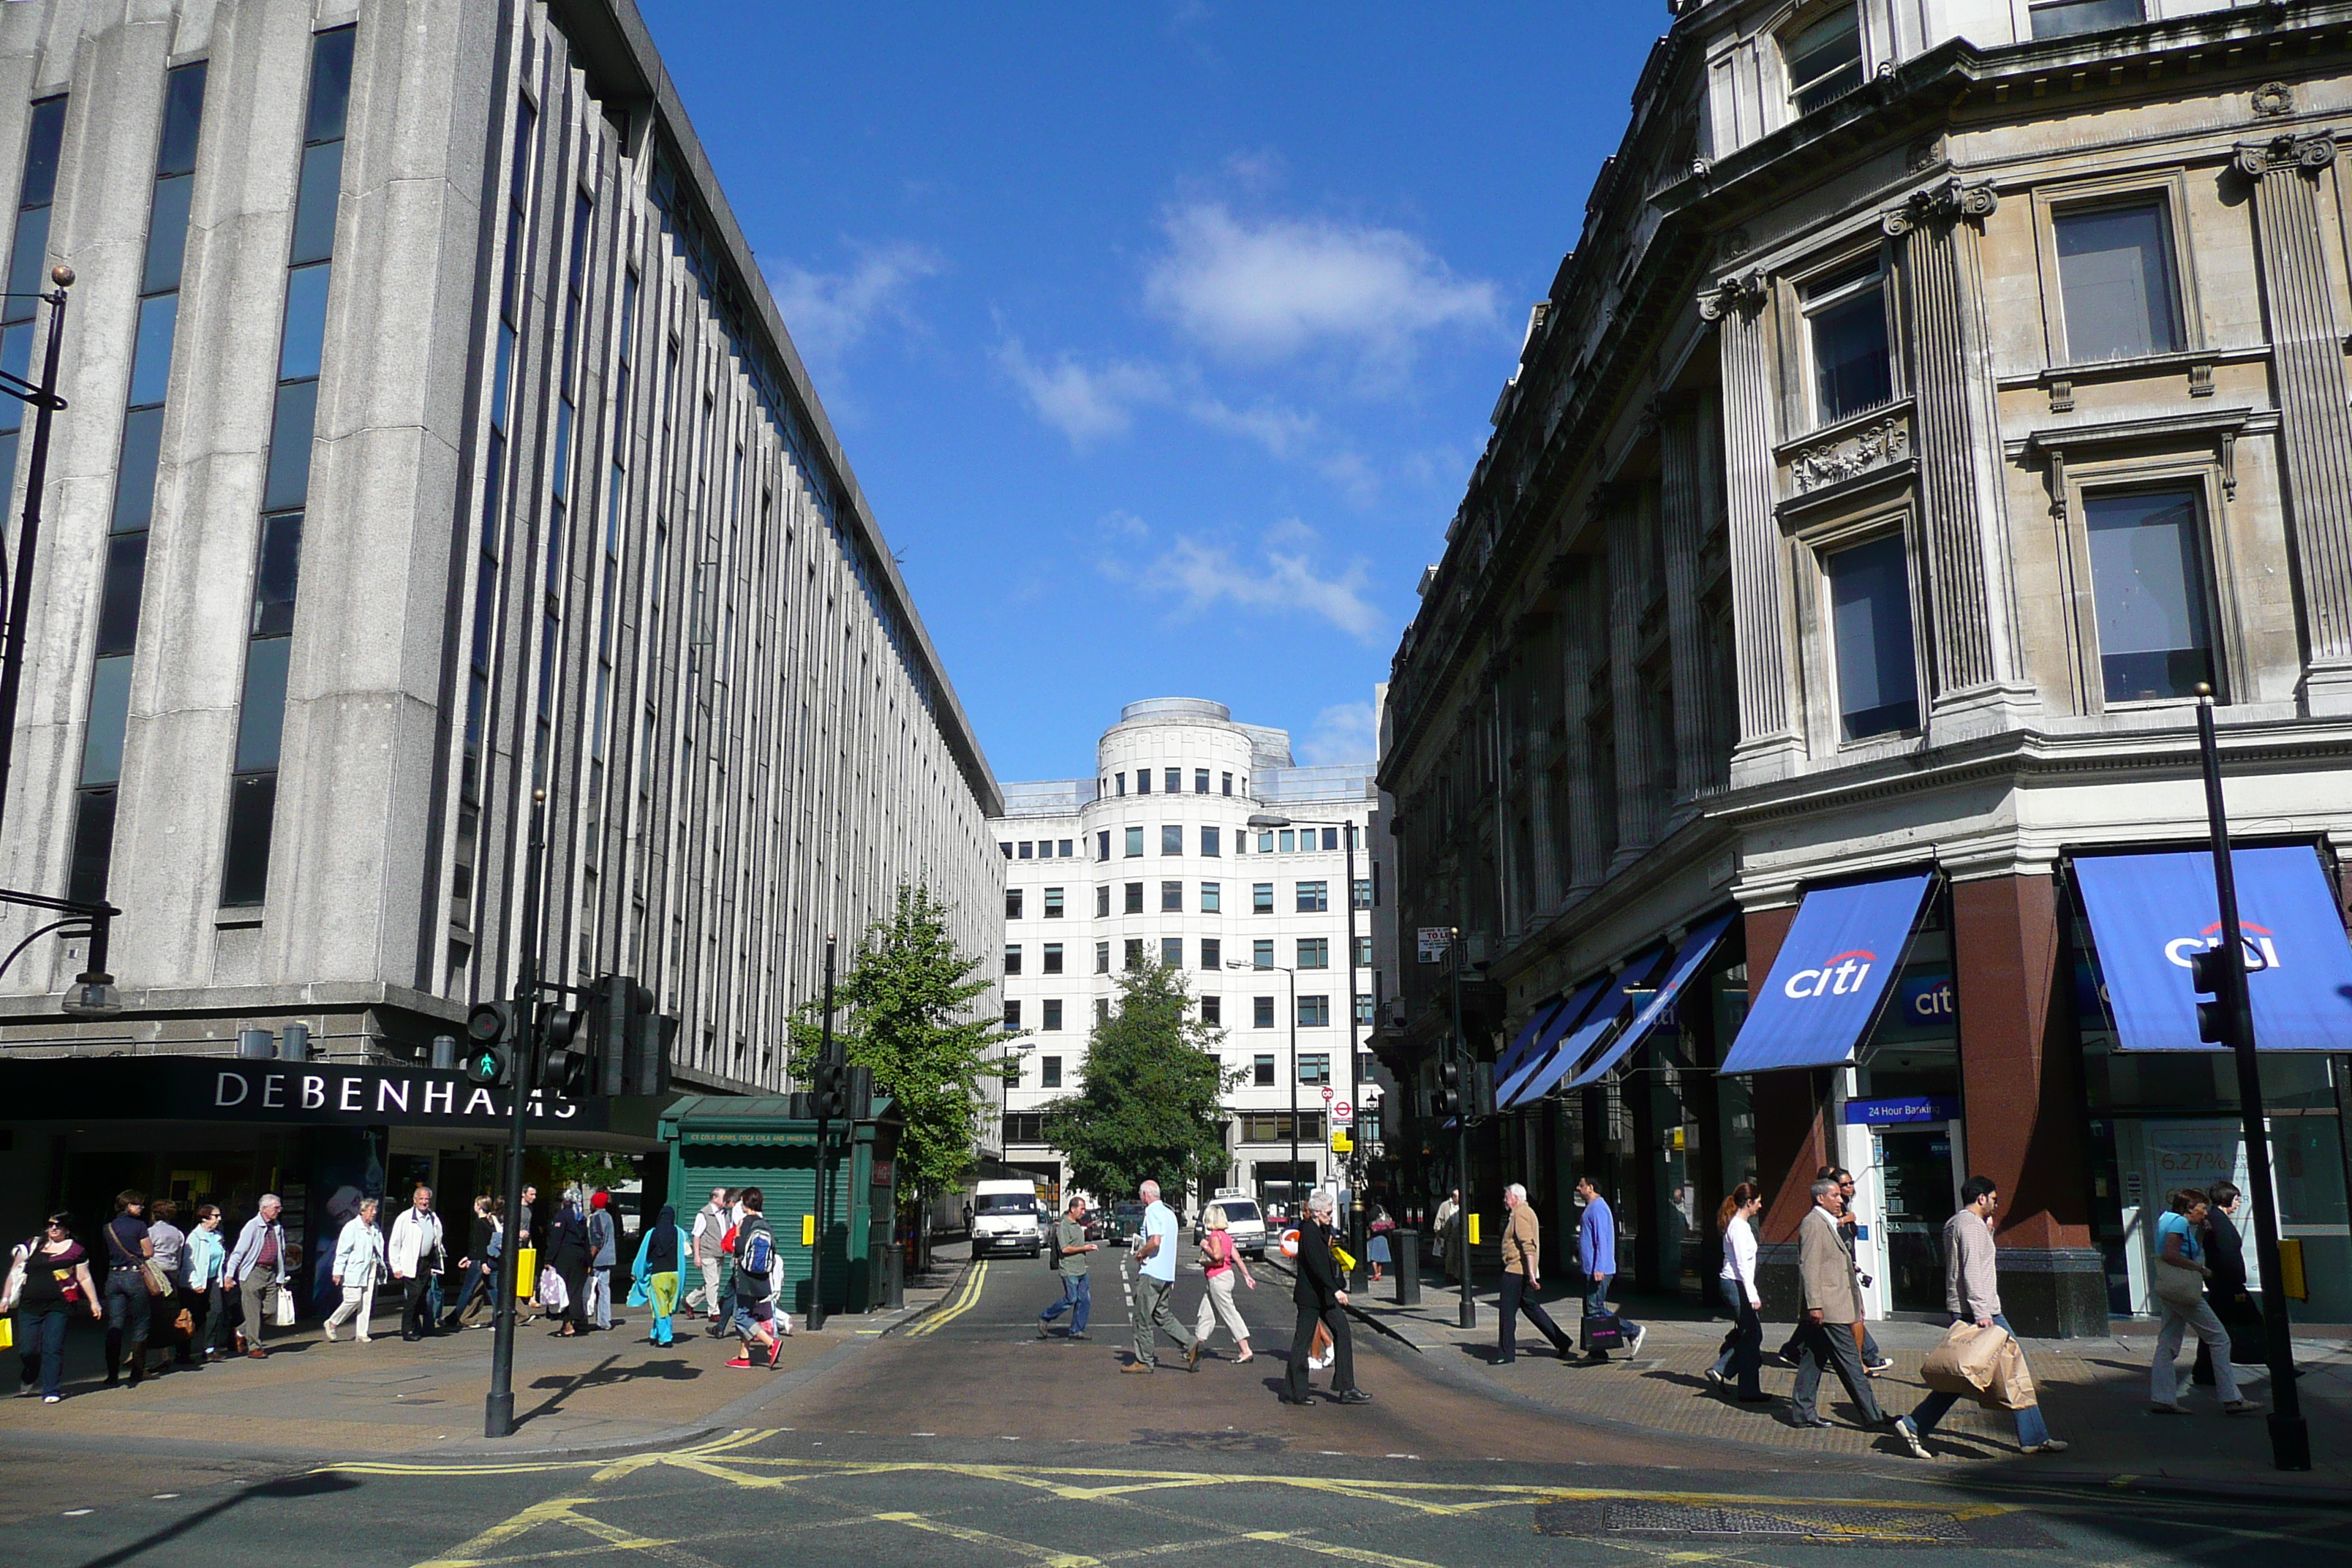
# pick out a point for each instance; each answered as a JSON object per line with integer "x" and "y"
{"x": 741, "y": 1360}
{"x": 775, "y": 1349}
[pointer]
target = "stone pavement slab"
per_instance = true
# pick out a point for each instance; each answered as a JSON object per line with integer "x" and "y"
{"x": 2094, "y": 1393}
{"x": 309, "y": 1397}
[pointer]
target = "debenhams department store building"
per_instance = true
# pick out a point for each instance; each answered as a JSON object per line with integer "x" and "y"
{"x": 434, "y": 440}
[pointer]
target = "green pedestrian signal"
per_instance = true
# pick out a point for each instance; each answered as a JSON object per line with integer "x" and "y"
{"x": 490, "y": 1058}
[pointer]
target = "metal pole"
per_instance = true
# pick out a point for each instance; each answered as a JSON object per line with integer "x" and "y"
{"x": 29, "y": 531}
{"x": 498, "y": 1409}
{"x": 2290, "y": 1437}
{"x": 1355, "y": 1158}
{"x": 823, "y": 1175}
{"x": 1297, "y": 1198}
{"x": 1457, "y": 950}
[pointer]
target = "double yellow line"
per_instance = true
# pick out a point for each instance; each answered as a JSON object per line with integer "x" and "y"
{"x": 966, "y": 1296}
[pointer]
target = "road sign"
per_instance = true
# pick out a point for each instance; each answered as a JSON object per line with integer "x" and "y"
{"x": 1343, "y": 1113}
{"x": 1328, "y": 1092}
{"x": 1433, "y": 943}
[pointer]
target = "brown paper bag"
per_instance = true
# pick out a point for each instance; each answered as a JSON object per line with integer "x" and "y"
{"x": 2012, "y": 1385}
{"x": 1967, "y": 1363}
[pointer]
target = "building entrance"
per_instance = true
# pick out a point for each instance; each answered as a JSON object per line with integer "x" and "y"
{"x": 1916, "y": 1172}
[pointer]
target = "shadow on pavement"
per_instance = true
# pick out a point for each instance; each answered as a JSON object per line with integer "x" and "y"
{"x": 292, "y": 1486}
{"x": 605, "y": 1375}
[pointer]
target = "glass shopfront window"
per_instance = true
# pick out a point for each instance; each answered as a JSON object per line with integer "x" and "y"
{"x": 1901, "y": 1129}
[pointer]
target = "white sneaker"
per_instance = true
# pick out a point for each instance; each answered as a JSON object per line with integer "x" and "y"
{"x": 1634, "y": 1345}
{"x": 363, "y": 1339}
{"x": 1320, "y": 1362}
{"x": 331, "y": 1333}
{"x": 1910, "y": 1434}
{"x": 2049, "y": 1446}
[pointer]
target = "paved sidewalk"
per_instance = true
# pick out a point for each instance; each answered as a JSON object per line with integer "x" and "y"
{"x": 385, "y": 1398}
{"x": 2094, "y": 1394}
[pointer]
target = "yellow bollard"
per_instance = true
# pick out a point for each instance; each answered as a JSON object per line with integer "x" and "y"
{"x": 1474, "y": 1229}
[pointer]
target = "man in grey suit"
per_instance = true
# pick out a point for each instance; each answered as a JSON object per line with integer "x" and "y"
{"x": 1831, "y": 1306}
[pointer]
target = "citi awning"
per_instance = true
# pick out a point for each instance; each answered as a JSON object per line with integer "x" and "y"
{"x": 1609, "y": 1005}
{"x": 2149, "y": 914}
{"x": 1832, "y": 975}
{"x": 1697, "y": 947}
{"x": 1509, "y": 1090}
{"x": 1525, "y": 1045}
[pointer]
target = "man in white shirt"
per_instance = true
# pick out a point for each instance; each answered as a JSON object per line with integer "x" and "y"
{"x": 415, "y": 1256}
{"x": 1155, "y": 1287}
{"x": 710, "y": 1228}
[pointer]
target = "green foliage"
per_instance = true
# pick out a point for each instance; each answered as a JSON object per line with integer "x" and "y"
{"x": 1150, "y": 1106}
{"x": 590, "y": 1168}
{"x": 904, "y": 1011}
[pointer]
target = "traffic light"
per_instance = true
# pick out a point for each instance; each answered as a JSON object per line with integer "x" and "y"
{"x": 628, "y": 1039}
{"x": 2209, "y": 975}
{"x": 1449, "y": 1091}
{"x": 828, "y": 1093}
{"x": 563, "y": 1069}
{"x": 490, "y": 1047}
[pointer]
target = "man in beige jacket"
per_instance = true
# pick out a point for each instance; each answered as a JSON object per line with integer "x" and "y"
{"x": 1522, "y": 1277}
{"x": 1831, "y": 1302}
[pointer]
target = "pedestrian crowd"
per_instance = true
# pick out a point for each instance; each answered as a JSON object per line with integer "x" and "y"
{"x": 193, "y": 1296}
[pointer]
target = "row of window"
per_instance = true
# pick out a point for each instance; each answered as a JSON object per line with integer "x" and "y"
{"x": 1822, "y": 56}
{"x": 1312, "y": 952}
{"x": 1251, "y": 1127}
{"x": 1314, "y": 1067}
{"x": 1314, "y": 1012}
{"x": 1309, "y": 897}
{"x": 1270, "y": 841}
{"x": 1171, "y": 781}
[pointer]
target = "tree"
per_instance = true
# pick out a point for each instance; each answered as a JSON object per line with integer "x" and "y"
{"x": 905, "y": 1012}
{"x": 1150, "y": 1106}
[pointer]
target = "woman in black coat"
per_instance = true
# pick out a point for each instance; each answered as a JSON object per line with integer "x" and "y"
{"x": 567, "y": 1254}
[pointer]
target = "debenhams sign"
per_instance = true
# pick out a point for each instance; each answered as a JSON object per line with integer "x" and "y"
{"x": 214, "y": 1089}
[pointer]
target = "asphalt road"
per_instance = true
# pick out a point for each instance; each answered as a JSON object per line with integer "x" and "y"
{"x": 970, "y": 1441}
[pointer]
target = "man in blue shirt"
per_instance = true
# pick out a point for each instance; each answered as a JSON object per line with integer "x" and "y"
{"x": 1596, "y": 1252}
{"x": 1155, "y": 1287}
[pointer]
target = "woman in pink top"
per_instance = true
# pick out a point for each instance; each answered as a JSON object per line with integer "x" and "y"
{"x": 1220, "y": 1257}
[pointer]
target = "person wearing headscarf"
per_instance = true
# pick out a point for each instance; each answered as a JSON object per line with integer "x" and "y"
{"x": 660, "y": 1257}
{"x": 568, "y": 1254}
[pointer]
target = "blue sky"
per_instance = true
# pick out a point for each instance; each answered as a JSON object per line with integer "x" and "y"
{"x": 1162, "y": 336}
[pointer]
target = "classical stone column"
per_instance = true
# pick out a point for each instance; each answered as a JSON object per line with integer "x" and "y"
{"x": 1768, "y": 742}
{"x": 1682, "y": 492}
{"x": 1586, "y": 865}
{"x": 1627, "y": 589}
{"x": 1543, "y": 881}
{"x": 2024, "y": 1101}
{"x": 2314, "y": 423}
{"x": 1973, "y": 650}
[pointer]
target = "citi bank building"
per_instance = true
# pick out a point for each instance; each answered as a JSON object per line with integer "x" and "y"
{"x": 1800, "y": 724}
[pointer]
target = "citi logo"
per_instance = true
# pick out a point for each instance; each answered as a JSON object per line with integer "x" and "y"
{"x": 2261, "y": 953}
{"x": 1839, "y": 974}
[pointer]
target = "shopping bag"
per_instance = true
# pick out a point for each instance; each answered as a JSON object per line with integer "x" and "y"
{"x": 1602, "y": 1331}
{"x": 2012, "y": 1385}
{"x": 553, "y": 1294}
{"x": 1966, "y": 1363}
{"x": 527, "y": 1274}
{"x": 7, "y": 1333}
{"x": 284, "y": 1315}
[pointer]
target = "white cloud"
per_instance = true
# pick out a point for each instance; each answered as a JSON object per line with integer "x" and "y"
{"x": 828, "y": 313}
{"x": 1084, "y": 405}
{"x": 1279, "y": 430}
{"x": 1284, "y": 579}
{"x": 1267, "y": 291}
{"x": 1345, "y": 733}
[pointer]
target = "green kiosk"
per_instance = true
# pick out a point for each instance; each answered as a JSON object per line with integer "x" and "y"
{"x": 728, "y": 1140}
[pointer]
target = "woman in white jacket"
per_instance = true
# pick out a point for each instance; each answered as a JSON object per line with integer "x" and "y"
{"x": 359, "y": 1264}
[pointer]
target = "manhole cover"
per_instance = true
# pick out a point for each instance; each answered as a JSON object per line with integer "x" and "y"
{"x": 1763, "y": 1524}
{"x": 1211, "y": 1442}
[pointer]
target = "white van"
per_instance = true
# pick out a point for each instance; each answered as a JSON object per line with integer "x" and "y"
{"x": 1243, "y": 1223}
{"x": 1006, "y": 1218}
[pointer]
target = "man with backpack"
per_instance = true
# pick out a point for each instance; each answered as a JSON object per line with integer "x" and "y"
{"x": 755, "y": 1269}
{"x": 1067, "y": 1254}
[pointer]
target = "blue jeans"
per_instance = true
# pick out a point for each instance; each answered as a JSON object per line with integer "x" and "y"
{"x": 2031, "y": 1430}
{"x": 1077, "y": 1300}
{"x": 1596, "y": 1305}
{"x": 41, "y": 1347}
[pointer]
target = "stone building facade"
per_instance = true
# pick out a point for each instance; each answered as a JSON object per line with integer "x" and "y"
{"x": 1202, "y": 845}
{"x": 1937, "y": 392}
{"x": 436, "y": 443}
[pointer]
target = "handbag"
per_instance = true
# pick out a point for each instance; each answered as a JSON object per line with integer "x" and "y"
{"x": 185, "y": 1323}
{"x": 2181, "y": 1289}
{"x": 148, "y": 1274}
{"x": 15, "y": 1286}
{"x": 158, "y": 1281}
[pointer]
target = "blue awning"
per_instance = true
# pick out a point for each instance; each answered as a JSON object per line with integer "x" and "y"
{"x": 1514, "y": 1058}
{"x": 1609, "y": 1008}
{"x": 2149, "y": 914}
{"x": 1697, "y": 947}
{"x": 1509, "y": 1092}
{"x": 1832, "y": 975}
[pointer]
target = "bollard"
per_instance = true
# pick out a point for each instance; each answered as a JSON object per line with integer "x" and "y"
{"x": 1406, "y": 1245}
{"x": 445, "y": 1052}
{"x": 894, "y": 1277}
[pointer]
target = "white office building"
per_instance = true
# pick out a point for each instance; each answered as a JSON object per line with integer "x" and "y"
{"x": 1200, "y": 845}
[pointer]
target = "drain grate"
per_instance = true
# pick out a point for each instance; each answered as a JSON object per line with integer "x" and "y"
{"x": 1766, "y": 1523}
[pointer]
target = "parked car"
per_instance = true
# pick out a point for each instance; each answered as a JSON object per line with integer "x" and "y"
{"x": 1126, "y": 1222}
{"x": 1005, "y": 1219}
